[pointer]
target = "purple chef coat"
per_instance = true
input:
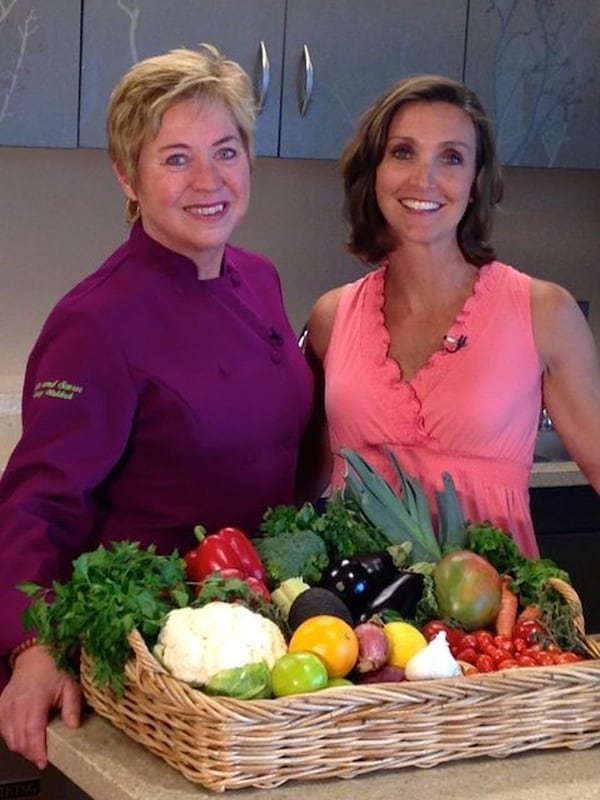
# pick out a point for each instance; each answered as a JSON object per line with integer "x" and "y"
{"x": 152, "y": 402}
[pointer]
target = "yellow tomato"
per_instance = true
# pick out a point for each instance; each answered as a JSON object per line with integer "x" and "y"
{"x": 330, "y": 638}
{"x": 405, "y": 641}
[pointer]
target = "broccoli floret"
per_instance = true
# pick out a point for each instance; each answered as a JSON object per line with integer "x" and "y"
{"x": 300, "y": 554}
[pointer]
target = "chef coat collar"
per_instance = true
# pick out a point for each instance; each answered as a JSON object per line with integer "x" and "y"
{"x": 161, "y": 258}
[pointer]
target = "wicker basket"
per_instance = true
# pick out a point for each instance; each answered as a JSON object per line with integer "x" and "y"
{"x": 223, "y": 743}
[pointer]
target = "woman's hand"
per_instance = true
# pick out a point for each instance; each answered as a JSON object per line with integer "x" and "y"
{"x": 35, "y": 688}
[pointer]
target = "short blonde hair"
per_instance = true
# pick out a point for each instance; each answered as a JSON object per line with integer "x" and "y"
{"x": 152, "y": 86}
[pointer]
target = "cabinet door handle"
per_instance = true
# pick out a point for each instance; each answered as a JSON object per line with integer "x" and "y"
{"x": 306, "y": 81}
{"x": 263, "y": 77}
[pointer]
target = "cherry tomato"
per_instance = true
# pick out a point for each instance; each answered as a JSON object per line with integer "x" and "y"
{"x": 485, "y": 663}
{"x": 455, "y": 637}
{"x": 568, "y": 657}
{"x": 526, "y": 661}
{"x": 519, "y": 645}
{"x": 532, "y": 630}
{"x": 507, "y": 663}
{"x": 504, "y": 643}
{"x": 433, "y": 627}
{"x": 483, "y": 638}
{"x": 294, "y": 673}
{"x": 532, "y": 649}
{"x": 496, "y": 653}
{"x": 544, "y": 659}
{"x": 467, "y": 654}
{"x": 468, "y": 641}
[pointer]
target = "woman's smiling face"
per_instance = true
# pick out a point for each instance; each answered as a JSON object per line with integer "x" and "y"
{"x": 193, "y": 182}
{"x": 423, "y": 182}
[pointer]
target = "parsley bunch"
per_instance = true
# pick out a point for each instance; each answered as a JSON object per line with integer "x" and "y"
{"x": 111, "y": 591}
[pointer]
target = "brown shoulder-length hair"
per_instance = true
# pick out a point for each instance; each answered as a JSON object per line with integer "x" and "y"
{"x": 369, "y": 237}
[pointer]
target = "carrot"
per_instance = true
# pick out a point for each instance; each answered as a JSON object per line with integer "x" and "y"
{"x": 531, "y": 611}
{"x": 509, "y": 606}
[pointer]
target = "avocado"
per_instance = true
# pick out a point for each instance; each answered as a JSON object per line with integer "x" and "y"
{"x": 314, "y": 601}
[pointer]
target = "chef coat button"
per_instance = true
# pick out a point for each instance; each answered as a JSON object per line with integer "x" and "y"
{"x": 235, "y": 280}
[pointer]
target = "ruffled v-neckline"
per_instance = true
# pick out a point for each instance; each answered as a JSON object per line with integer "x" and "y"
{"x": 466, "y": 321}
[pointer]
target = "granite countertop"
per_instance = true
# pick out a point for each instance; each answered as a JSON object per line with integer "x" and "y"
{"x": 556, "y": 473}
{"x": 107, "y": 765}
{"x": 10, "y": 424}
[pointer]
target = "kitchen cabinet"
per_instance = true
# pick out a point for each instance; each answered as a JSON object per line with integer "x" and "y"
{"x": 117, "y": 33}
{"x": 316, "y": 65}
{"x": 535, "y": 67}
{"x": 357, "y": 50}
{"x": 567, "y": 524}
{"x": 339, "y": 55}
{"x": 39, "y": 72}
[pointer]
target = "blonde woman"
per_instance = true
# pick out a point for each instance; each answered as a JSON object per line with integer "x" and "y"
{"x": 166, "y": 389}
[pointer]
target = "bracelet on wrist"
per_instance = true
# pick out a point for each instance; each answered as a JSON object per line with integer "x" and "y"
{"x": 20, "y": 648}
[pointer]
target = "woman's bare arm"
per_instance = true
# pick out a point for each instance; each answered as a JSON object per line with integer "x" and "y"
{"x": 571, "y": 383}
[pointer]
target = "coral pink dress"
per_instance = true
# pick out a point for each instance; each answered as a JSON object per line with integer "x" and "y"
{"x": 472, "y": 412}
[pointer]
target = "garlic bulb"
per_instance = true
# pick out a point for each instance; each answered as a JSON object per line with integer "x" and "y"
{"x": 434, "y": 661}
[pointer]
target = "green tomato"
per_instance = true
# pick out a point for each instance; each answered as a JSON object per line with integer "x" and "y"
{"x": 294, "y": 673}
{"x": 339, "y": 682}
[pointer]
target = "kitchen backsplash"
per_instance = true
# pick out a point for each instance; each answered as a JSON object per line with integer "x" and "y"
{"x": 64, "y": 213}
{"x": 10, "y": 430}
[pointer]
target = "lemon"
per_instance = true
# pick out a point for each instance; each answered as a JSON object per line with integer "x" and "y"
{"x": 405, "y": 641}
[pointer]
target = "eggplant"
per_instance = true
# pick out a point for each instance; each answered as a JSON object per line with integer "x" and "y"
{"x": 357, "y": 579}
{"x": 349, "y": 580}
{"x": 401, "y": 595}
{"x": 380, "y": 567}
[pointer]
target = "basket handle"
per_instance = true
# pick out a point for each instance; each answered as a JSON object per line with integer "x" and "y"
{"x": 574, "y": 603}
{"x": 142, "y": 655}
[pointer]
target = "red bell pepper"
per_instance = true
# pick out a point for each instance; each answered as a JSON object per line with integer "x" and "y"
{"x": 257, "y": 586}
{"x": 228, "y": 548}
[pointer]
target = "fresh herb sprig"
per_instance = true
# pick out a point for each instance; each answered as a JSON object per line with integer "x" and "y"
{"x": 233, "y": 590}
{"x": 111, "y": 591}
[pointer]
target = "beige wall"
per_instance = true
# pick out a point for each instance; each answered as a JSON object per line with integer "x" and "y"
{"x": 61, "y": 213}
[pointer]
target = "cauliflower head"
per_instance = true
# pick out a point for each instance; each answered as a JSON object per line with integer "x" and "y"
{"x": 194, "y": 644}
